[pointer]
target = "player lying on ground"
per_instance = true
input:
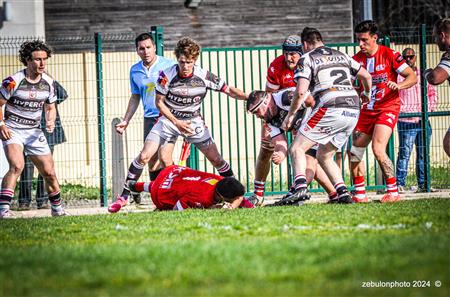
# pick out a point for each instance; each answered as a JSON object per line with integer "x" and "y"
{"x": 179, "y": 188}
{"x": 273, "y": 108}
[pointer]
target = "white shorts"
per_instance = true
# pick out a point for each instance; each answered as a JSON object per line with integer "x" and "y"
{"x": 32, "y": 140}
{"x": 333, "y": 125}
{"x": 165, "y": 131}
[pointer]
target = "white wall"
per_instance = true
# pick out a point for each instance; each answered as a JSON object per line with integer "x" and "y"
{"x": 27, "y": 18}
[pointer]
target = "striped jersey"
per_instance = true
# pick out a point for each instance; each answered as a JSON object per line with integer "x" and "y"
{"x": 329, "y": 72}
{"x": 283, "y": 100}
{"x": 25, "y": 100}
{"x": 184, "y": 95}
{"x": 445, "y": 63}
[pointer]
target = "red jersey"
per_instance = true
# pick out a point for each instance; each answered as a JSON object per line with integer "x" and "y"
{"x": 178, "y": 188}
{"x": 279, "y": 76}
{"x": 384, "y": 66}
{"x": 183, "y": 187}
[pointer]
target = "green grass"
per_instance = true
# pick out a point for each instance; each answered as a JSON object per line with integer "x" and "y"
{"x": 314, "y": 250}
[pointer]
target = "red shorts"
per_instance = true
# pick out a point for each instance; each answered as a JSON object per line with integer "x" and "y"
{"x": 369, "y": 118}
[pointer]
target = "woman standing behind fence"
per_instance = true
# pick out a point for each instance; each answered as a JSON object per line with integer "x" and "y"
{"x": 180, "y": 91}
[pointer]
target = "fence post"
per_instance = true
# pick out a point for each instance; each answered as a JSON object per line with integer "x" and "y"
{"x": 100, "y": 118}
{"x": 390, "y": 148}
{"x": 424, "y": 120}
{"x": 158, "y": 37}
{"x": 117, "y": 159}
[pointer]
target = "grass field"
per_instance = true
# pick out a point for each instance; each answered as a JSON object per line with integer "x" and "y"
{"x": 314, "y": 250}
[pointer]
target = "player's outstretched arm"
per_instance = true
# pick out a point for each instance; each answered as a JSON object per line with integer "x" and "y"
{"x": 235, "y": 93}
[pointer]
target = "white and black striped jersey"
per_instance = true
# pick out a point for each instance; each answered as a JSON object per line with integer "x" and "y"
{"x": 329, "y": 72}
{"x": 445, "y": 63}
{"x": 184, "y": 95}
{"x": 25, "y": 100}
{"x": 283, "y": 100}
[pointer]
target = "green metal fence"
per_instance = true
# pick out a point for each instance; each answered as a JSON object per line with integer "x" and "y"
{"x": 95, "y": 69}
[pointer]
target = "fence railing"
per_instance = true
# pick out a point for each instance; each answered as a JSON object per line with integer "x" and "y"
{"x": 98, "y": 85}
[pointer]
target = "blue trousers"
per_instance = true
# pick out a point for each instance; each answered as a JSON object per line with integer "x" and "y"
{"x": 409, "y": 134}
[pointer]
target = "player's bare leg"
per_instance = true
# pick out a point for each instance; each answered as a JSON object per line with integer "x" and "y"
{"x": 46, "y": 168}
{"x": 14, "y": 155}
{"x": 357, "y": 167}
{"x": 380, "y": 139}
{"x": 325, "y": 155}
{"x": 209, "y": 149}
{"x": 446, "y": 142}
{"x": 298, "y": 149}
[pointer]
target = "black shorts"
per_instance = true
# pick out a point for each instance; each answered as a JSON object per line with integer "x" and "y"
{"x": 148, "y": 125}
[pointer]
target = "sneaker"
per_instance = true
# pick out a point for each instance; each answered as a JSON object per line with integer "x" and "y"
{"x": 24, "y": 206}
{"x": 401, "y": 189}
{"x": 389, "y": 198}
{"x": 58, "y": 212}
{"x": 424, "y": 190}
{"x": 43, "y": 206}
{"x": 117, "y": 205}
{"x": 345, "y": 199}
{"x": 255, "y": 199}
{"x": 5, "y": 213}
{"x": 360, "y": 200}
{"x": 293, "y": 198}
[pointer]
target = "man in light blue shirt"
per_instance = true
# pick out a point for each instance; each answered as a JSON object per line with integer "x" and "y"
{"x": 143, "y": 77}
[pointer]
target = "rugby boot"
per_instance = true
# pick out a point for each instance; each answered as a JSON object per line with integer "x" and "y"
{"x": 390, "y": 198}
{"x": 117, "y": 205}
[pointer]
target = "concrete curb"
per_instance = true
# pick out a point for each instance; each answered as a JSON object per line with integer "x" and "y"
{"x": 133, "y": 208}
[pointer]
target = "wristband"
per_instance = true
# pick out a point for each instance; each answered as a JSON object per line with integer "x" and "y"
{"x": 2, "y": 123}
{"x": 366, "y": 93}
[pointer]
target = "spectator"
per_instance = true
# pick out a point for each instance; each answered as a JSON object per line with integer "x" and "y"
{"x": 26, "y": 178}
{"x": 410, "y": 129}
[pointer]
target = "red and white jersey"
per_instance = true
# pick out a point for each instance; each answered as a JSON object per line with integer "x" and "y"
{"x": 279, "y": 76}
{"x": 384, "y": 66}
{"x": 178, "y": 188}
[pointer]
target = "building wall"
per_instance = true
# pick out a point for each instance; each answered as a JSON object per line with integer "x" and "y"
{"x": 26, "y": 18}
{"x": 213, "y": 24}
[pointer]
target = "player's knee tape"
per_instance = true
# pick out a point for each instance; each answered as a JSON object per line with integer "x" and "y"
{"x": 357, "y": 153}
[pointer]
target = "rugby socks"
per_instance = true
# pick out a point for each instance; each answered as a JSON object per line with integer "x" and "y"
{"x": 55, "y": 200}
{"x": 154, "y": 174}
{"x": 332, "y": 196}
{"x": 300, "y": 182}
{"x": 259, "y": 188}
{"x": 134, "y": 172}
{"x": 225, "y": 170}
{"x": 6, "y": 196}
{"x": 360, "y": 189}
{"x": 341, "y": 189}
{"x": 142, "y": 187}
{"x": 391, "y": 186}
